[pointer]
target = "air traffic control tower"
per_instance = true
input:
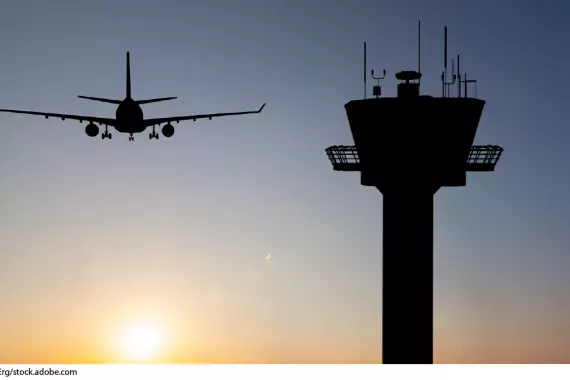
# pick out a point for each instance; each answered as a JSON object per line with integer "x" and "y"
{"x": 408, "y": 147}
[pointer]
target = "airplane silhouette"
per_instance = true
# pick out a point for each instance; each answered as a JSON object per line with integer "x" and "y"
{"x": 129, "y": 115}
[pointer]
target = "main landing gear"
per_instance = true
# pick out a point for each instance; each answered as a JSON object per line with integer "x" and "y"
{"x": 106, "y": 134}
{"x": 131, "y": 137}
{"x": 153, "y": 135}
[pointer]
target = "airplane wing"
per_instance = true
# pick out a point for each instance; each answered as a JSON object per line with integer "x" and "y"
{"x": 151, "y": 122}
{"x": 101, "y": 120}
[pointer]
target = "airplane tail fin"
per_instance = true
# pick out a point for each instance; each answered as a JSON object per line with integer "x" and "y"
{"x": 128, "y": 76}
{"x": 104, "y": 100}
{"x": 146, "y": 101}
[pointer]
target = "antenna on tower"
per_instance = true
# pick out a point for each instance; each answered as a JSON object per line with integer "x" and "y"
{"x": 377, "y": 90}
{"x": 444, "y": 84}
{"x": 466, "y": 81}
{"x": 419, "y": 49}
{"x": 364, "y": 69}
{"x": 459, "y": 79}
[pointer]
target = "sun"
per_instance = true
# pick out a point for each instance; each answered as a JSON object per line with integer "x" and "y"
{"x": 142, "y": 341}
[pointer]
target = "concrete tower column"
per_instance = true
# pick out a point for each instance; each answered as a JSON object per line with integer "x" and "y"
{"x": 407, "y": 275}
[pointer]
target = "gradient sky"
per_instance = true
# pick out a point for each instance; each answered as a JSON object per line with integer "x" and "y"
{"x": 97, "y": 235}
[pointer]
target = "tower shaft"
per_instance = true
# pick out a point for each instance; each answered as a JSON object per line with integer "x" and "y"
{"x": 407, "y": 280}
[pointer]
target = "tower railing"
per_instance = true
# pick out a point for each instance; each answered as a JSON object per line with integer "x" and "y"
{"x": 343, "y": 157}
{"x": 482, "y": 158}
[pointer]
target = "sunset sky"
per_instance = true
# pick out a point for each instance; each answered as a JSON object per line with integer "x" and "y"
{"x": 235, "y": 239}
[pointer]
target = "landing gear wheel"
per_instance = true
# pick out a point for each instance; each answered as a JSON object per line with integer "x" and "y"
{"x": 110, "y": 136}
{"x": 157, "y": 136}
{"x": 150, "y": 136}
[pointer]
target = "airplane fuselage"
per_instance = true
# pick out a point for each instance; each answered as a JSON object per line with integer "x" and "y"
{"x": 129, "y": 117}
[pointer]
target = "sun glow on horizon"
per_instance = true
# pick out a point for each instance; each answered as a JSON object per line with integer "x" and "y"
{"x": 142, "y": 341}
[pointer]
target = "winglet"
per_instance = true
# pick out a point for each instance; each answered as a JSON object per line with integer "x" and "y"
{"x": 128, "y": 76}
{"x": 261, "y": 109}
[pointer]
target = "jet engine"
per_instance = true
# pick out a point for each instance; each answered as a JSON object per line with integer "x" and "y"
{"x": 168, "y": 130}
{"x": 91, "y": 130}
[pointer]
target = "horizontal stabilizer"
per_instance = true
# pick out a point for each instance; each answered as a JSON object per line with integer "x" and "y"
{"x": 154, "y": 100}
{"x": 104, "y": 100}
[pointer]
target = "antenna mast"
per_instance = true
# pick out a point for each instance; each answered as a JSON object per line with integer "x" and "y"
{"x": 364, "y": 69}
{"x": 444, "y": 84}
{"x": 419, "y": 50}
{"x": 459, "y": 79}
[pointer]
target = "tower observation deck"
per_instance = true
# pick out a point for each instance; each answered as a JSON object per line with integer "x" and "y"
{"x": 408, "y": 147}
